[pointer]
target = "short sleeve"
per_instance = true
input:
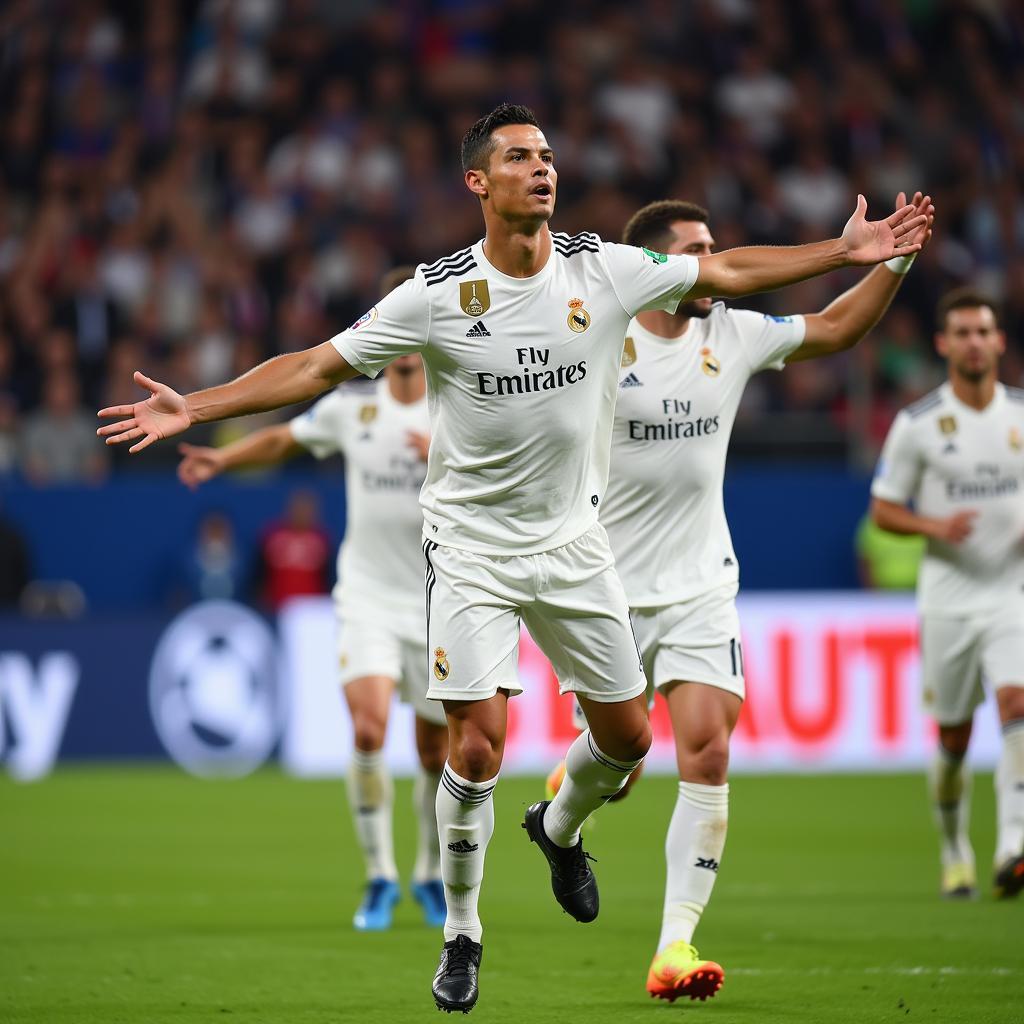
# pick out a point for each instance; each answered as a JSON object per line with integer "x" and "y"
{"x": 643, "y": 279}
{"x": 767, "y": 340}
{"x": 898, "y": 473}
{"x": 321, "y": 428}
{"x": 397, "y": 326}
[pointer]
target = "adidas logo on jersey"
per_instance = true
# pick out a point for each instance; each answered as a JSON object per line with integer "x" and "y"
{"x": 478, "y": 331}
{"x": 950, "y": 448}
{"x": 632, "y": 381}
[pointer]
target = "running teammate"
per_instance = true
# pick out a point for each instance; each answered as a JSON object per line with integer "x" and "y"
{"x": 378, "y": 600}
{"x": 957, "y": 456}
{"x": 521, "y": 336}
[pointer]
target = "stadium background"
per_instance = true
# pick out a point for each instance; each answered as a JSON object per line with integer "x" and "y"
{"x": 190, "y": 187}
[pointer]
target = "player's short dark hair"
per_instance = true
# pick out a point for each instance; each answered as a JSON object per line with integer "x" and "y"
{"x": 477, "y": 145}
{"x": 652, "y": 226}
{"x": 394, "y": 277}
{"x": 964, "y": 298}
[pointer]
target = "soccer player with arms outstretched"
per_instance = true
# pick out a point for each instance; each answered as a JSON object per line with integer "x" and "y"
{"x": 682, "y": 378}
{"x": 521, "y": 336}
{"x": 383, "y": 434}
{"x": 957, "y": 457}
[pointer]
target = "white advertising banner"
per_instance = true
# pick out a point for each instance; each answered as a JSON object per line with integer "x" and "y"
{"x": 832, "y": 685}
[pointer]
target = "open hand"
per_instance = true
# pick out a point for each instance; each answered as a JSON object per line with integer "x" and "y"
{"x": 957, "y": 528}
{"x": 419, "y": 442}
{"x": 198, "y": 464}
{"x": 163, "y": 414}
{"x": 902, "y": 233}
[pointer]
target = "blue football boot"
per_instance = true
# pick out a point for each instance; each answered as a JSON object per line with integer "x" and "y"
{"x": 430, "y": 896}
{"x": 374, "y": 913}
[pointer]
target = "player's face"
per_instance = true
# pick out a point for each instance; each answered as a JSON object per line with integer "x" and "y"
{"x": 406, "y": 366}
{"x": 520, "y": 180}
{"x": 971, "y": 342}
{"x": 692, "y": 237}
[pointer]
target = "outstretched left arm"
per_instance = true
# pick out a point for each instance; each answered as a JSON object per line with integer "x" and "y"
{"x": 843, "y": 322}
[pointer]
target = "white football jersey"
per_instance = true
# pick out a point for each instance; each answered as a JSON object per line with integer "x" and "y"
{"x": 946, "y": 457}
{"x": 521, "y": 381}
{"x": 677, "y": 402}
{"x": 380, "y": 561}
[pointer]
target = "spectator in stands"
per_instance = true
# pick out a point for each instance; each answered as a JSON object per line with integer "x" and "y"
{"x": 296, "y": 556}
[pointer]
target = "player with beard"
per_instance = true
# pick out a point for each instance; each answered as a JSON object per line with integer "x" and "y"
{"x": 383, "y": 434}
{"x": 521, "y": 336}
{"x": 682, "y": 379}
{"x": 957, "y": 457}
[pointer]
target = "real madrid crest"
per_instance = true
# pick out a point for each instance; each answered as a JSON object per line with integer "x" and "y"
{"x": 367, "y": 414}
{"x": 1016, "y": 441}
{"x": 947, "y": 424}
{"x": 579, "y": 318}
{"x": 709, "y": 363}
{"x": 629, "y": 352}
{"x": 474, "y": 297}
{"x": 441, "y": 666}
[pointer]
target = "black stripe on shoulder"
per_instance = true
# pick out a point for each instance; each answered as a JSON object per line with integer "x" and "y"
{"x": 452, "y": 272}
{"x": 926, "y": 404}
{"x": 568, "y": 245}
{"x": 1015, "y": 394}
{"x": 442, "y": 264}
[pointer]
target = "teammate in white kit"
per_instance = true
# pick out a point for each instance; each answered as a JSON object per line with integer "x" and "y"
{"x": 383, "y": 433}
{"x": 682, "y": 379}
{"x": 957, "y": 455}
{"x": 521, "y": 335}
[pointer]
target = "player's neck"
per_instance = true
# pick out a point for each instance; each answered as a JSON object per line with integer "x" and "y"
{"x": 974, "y": 393}
{"x": 516, "y": 249}
{"x": 407, "y": 388}
{"x": 662, "y": 324}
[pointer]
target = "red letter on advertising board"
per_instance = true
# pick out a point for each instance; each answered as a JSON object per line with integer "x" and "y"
{"x": 804, "y": 727}
{"x": 891, "y": 648}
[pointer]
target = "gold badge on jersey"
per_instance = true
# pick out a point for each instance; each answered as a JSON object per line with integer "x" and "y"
{"x": 343, "y": 661}
{"x": 709, "y": 363}
{"x": 367, "y": 414}
{"x": 474, "y": 298}
{"x": 578, "y": 319}
{"x": 947, "y": 424}
{"x": 1016, "y": 441}
{"x": 441, "y": 666}
{"x": 629, "y": 352}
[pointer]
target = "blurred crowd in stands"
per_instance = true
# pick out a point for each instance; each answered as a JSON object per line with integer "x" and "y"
{"x": 190, "y": 187}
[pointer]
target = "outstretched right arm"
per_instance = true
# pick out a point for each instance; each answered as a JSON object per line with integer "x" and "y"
{"x": 267, "y": 447}
{"x": 283, "y": 380}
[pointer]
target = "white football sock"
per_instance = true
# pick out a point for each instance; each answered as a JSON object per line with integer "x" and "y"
{"x": 1009, "y": 781}
{"x": 428, "y": 850}
{"x": 949, "y": 787}
{"x": 465, "y": 822}
{"x": 370, "y": 796}
{"x": 591, "y": 778}
{"x": 693, "y": 852}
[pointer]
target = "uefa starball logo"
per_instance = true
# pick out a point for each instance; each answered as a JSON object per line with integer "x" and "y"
{"x": 213, "y": 690}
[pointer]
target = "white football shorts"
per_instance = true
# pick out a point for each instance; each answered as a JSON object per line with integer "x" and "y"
{"x": 960, "y": 653}
{"x": 370, "y": 645}
{"x": 694, "y": 641}
{"x": 569, "y": 598}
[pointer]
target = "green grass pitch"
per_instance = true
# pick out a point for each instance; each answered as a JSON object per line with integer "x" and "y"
{"x": 138, "y": 895}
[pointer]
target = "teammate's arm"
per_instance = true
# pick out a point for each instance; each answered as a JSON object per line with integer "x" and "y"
{"x": 267, "y": 447}
{"x": 283, "y": 380}
{"x": 842, "y": 323}
{"x": 757, "y": 268}
{"x": 896, "y": 518}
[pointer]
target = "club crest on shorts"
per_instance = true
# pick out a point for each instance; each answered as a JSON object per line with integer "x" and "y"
{"x": 474, "y": 298}
{"x": 1016, "y": 441}
{"x": 629, "y": 352}
{"x": 367, "y": 414}
{"x": 709, "y": 363}
{"x": 441, "y": 666}
{"x": 947, "y": 424}
{"x": 578, "y": 319}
